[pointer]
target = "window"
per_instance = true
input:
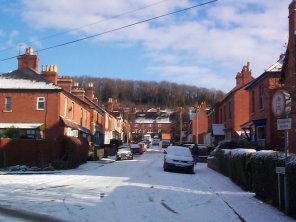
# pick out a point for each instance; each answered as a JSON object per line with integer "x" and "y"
{"x": 159, "y": 125}
{"x": 7, "y": 104}
{"x": 65, "y": 107}
{"x": 253, "y": 101}
{"x": 40, "y": 103}
{"x": 229, "y": 109}
{"x": 30, "y": 133}
{"x": 72, "y": 110}
{"x": 261, "y": 97}
{"x": 81, "y": 116}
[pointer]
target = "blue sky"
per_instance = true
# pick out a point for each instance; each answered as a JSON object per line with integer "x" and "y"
{"x": 205, "y": 46}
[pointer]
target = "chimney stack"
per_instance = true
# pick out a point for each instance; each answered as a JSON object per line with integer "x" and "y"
{"x": 28, "y": 60}
{"x": 66, "y": 83}
{"x": 78, "y": 92}
{"x": 50, "y": 72}
{"x": 110, "y": 105}
{"x": 90, "y": 91}
{"x": 245, "y": 76}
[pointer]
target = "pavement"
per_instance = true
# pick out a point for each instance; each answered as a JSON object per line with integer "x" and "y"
{"x": 9, "y": 214}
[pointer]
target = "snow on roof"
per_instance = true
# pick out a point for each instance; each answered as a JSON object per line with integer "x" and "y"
{"x": 25, "y": 79}
{"x": 25, "y": 84}
{"x": 20, "y": 125}
{"x": 276, "y": 67}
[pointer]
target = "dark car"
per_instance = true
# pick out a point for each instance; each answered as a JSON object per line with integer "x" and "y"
{"x": 165, "y": 143}
{"x": 124, "y": 153}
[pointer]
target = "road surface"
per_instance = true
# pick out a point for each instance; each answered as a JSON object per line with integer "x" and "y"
{"x": 134, "y": 190}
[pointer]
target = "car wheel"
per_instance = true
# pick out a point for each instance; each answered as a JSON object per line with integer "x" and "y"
{"x": 165, "y": 168}
{"x": 117, "y": 158}
{"x": 132, "y": 157}
{"x": 192, "y": 170}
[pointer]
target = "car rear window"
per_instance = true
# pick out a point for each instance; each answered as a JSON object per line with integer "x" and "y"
{"x": 179, "y": 151}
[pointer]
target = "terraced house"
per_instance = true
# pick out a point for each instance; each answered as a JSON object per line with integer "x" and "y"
{"x": 47, "y": 106}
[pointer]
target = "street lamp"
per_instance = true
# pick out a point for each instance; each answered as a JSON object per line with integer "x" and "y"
{"x": 181, "y": 124}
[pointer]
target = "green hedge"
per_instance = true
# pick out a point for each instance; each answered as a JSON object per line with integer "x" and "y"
{"x": 265, "y": 181}
{"x": 291, "y": 181}
{"x": 240, "y": 167}
{"x": 256, "y": 171}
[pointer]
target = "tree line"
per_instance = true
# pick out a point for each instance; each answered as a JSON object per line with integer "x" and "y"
{"x": 150, "y": 93}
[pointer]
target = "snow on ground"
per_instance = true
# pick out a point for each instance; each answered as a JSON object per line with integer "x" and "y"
{"x": 134, "y": 190}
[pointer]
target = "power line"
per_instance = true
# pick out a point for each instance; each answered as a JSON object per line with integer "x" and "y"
{"x": 117, "y": 29}
{"x": 87, "y": 25}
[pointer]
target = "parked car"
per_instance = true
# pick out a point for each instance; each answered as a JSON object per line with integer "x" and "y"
{"x": 124, "y": 153}
{"x": 165, "y": 143}
{"x": 137, "y": 148}
{"x": 178, "y": 157}
{"x": 155, "y": 144}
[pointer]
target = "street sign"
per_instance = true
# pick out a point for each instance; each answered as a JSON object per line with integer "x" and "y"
{"x": 281, "y": 103}
{"x": 284, "y": 124}
{"x": 280, "y": 170}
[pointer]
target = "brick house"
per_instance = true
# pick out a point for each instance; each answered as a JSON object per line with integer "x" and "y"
{"x": 229, "y": 114}
{"x": 288, "y": 76}
{"x": 199, "y": 123}
{"x": 37, "y": 105}
{"x": 48, "y": 106}
{"x": 153, "y": 122}
{"x": 262, "y": 127}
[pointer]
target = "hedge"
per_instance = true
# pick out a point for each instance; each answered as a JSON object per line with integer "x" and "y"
{"x": 291, "y": 181}
{"x": 256, "y": 171}
{"x": 265, "y": 180}
{"x": 240, "y": 167}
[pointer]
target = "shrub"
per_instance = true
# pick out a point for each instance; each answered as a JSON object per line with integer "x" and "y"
{"x": 240, "y": 167}
{"x": 291, "y": 183}
{"x": 74, "y": 152}
{"x": 263, "y": 165}
{"x": 223, "y": 157}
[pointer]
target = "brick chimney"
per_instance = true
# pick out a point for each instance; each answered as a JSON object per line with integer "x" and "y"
{"x": 90, "y": 91}
{"x": 50, "y": 72}
{"x": 65, "y": 82}
{"x": 28, "y": 60}
{"x": 78, "y": 92}
{"x": 110, "y": 105}
{"x": 245, "y": 76}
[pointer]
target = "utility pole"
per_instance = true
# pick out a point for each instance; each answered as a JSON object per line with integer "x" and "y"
{"x": 181, "y": 124}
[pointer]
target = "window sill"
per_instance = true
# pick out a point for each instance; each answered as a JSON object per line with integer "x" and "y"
{"x": 7, "y": 111}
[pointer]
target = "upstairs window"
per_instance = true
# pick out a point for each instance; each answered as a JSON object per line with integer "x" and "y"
{"x": 7, "y": 104}
{"x": 261, "y": 97}
{"x": 253, "y": 101}
{"x": 40, "y": 103}
{"x": 65, "y": 107}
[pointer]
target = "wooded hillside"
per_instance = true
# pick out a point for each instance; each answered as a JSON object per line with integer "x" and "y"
{"x": 150, "y": 93}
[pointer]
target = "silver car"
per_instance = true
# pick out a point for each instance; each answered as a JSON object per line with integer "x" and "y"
{"x": 178, "y": 157}
{"x": 124, "y": 153}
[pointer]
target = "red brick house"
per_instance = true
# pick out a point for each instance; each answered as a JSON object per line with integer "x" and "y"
{"x": 199, "y": 123}
{"x": 288, "y": 76}
{"x": 37, "y": 105}
{"x": 262, "y": 125}
{"x": 233, "y": 110}
{"x": 47, "y": 106}
{"x": 153, "y": 122}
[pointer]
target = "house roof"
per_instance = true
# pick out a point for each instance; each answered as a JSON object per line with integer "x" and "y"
{"x": 25, "y": 78}
{"x": 272, "y": 71}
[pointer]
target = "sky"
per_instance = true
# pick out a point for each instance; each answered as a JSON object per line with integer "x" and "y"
{"x": 133, "y": 190}
{"x": 205, "y": 46}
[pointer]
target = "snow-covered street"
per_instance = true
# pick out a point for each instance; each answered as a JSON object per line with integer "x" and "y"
{"x": 134, "y": 190}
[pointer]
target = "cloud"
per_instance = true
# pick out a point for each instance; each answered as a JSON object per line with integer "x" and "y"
{"x": 221, "y": 37}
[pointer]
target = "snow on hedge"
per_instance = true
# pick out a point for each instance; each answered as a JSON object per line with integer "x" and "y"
{"x": 291, "y": 160}
{"x": 238, "y": 151}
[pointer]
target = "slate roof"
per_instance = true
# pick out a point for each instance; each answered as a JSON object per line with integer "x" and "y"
{"x": 25, "y": 78}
